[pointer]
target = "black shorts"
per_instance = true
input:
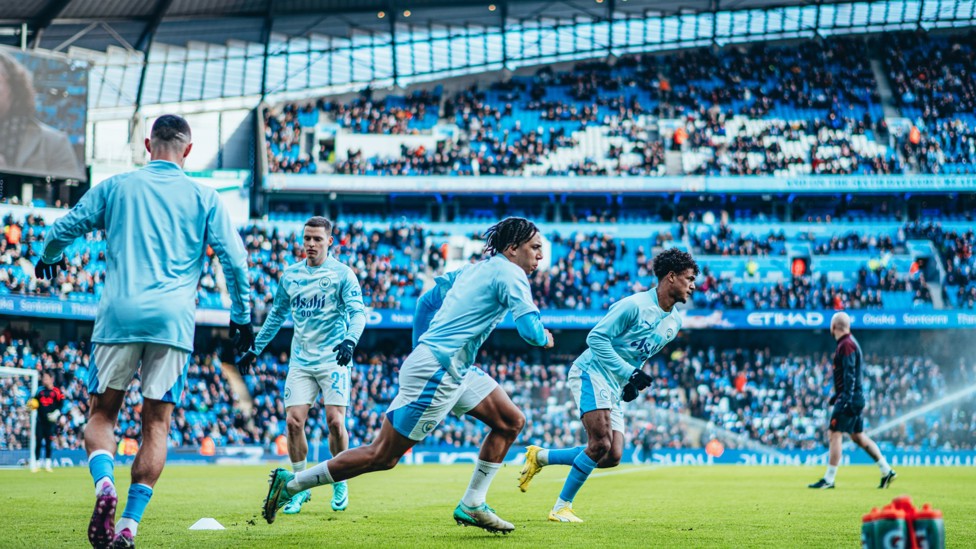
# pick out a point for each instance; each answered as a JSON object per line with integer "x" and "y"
{"x": 45, "y": 429}
{"x": 851, "y": 421}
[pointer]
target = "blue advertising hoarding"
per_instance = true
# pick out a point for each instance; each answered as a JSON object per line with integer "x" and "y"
{"x": 877, "y": 319}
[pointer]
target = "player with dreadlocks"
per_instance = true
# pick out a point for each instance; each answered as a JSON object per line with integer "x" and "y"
{"x": 438, "y": 378}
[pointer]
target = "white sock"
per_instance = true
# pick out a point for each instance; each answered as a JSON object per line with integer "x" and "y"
{"x": 542, "y": 457}
{"x": 126, "y": 522}
{"x": 310, "y": 478}
{"x": 102, "y": 482}
{"x": 560, "y": 503}
{"x": 831, "y": 473}
{"x": 47, "y": 463}
{"x": 299, "y": 466}
{"x": 883, "y": 465}
{"x": 481, "y": 479}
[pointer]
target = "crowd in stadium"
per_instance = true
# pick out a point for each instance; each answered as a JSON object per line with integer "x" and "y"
{"x": 283, "y": 133}
{"x": 824, "y": 115}
{"x": 779, "y": 401}
{"x": 588, "y": 270}
{"x": 956, "y": 249}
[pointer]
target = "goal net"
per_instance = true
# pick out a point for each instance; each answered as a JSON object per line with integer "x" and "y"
{"x": 17, "y": 386}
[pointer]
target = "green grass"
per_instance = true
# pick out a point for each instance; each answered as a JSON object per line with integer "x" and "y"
{"x": 411, "y": 507}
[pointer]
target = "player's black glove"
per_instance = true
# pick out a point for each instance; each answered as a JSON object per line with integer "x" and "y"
{"x": 246, "y": 361}
{"x": 49, "y": 271}
{"x": 630, "y": 393}
{"x": 243, "y": 336}
{"x": 640, "y": 380}
{"x": 833, "y": 400}
{"x": 344, "y": 352}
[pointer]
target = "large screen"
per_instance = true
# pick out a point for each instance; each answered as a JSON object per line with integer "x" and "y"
{"x": 43, "y": 108}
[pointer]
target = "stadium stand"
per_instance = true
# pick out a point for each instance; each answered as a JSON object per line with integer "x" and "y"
{"x": 808, "y": 108}
{"x": 589, "y": 270}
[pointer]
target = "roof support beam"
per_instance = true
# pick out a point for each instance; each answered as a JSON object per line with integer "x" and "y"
{"x": 716, "y": 5}
{"x": 144, "y": 44}
{"x": 149, "y": 31}
{"x": 266, "y": 39}
{"x": 392, "y": 14}
{"x": 504, "y": 20}
{"x": 816, "y": 23}
{"x": 44, "y": 19}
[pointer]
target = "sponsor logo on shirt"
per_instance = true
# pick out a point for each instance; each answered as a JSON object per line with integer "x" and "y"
{"x": 315, "y": 302}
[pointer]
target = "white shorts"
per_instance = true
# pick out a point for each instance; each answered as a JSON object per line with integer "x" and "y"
{"x": 302, "y": 386}
{"x": 162, "y": 369}
{"x": 592, "y": 392}
{"x": 476, "y": 386}
{"x": 428, "y": 393}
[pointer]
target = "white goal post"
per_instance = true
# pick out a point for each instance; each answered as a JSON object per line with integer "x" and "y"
{"x": 33, "y": 375}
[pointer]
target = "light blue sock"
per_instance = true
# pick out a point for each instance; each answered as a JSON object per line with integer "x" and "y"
{"x": 565, "y": 456}
{"x": 135, "y": 504}
{"x": 582, "y": 467}
{"x": 101, "y": 464}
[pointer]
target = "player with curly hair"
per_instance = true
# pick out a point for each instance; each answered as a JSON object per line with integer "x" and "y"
{"x": 609, "y": 370}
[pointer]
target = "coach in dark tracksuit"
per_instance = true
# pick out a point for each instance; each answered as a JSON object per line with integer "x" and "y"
{"x": 848, "y": 405}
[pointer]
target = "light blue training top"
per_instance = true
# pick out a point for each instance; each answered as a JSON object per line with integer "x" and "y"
{"x": 326, "y": 305}
{"x": 632, "y": 331}
{"x": 480, "y": 297}
{"x": 158, "y": 223}
{"x": 529, "y": 326}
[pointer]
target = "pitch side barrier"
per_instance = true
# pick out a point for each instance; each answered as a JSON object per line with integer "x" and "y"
{"x": 567, "y": 320}
{"x": 436, "y": 455}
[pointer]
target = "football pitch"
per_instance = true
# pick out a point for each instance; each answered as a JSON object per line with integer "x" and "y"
{"x": 411, "y": 506}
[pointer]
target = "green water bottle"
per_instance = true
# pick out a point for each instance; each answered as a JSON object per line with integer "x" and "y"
{"x": 891, "y": 529}
{"x": 929, "y": 528}
{"x": 868, "y": 529}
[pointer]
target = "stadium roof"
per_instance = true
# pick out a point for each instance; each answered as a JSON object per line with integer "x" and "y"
{"x": 175, "y": 51}
{"x": 97, "y": 24}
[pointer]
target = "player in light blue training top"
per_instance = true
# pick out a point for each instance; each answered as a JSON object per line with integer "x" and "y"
{"x": 633, "y": 330}
{"x": 433, "y": 378}
{"x": 158, "y": 224}
{"x": 326, "y": 305}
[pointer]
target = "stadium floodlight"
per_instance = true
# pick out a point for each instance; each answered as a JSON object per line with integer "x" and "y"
{"x": 33, "y": 375}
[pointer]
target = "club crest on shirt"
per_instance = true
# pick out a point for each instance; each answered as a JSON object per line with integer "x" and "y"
{"x": 670, "y": 333}
{"x": 325, "y": 282}
{"x": 429, "y": 426}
